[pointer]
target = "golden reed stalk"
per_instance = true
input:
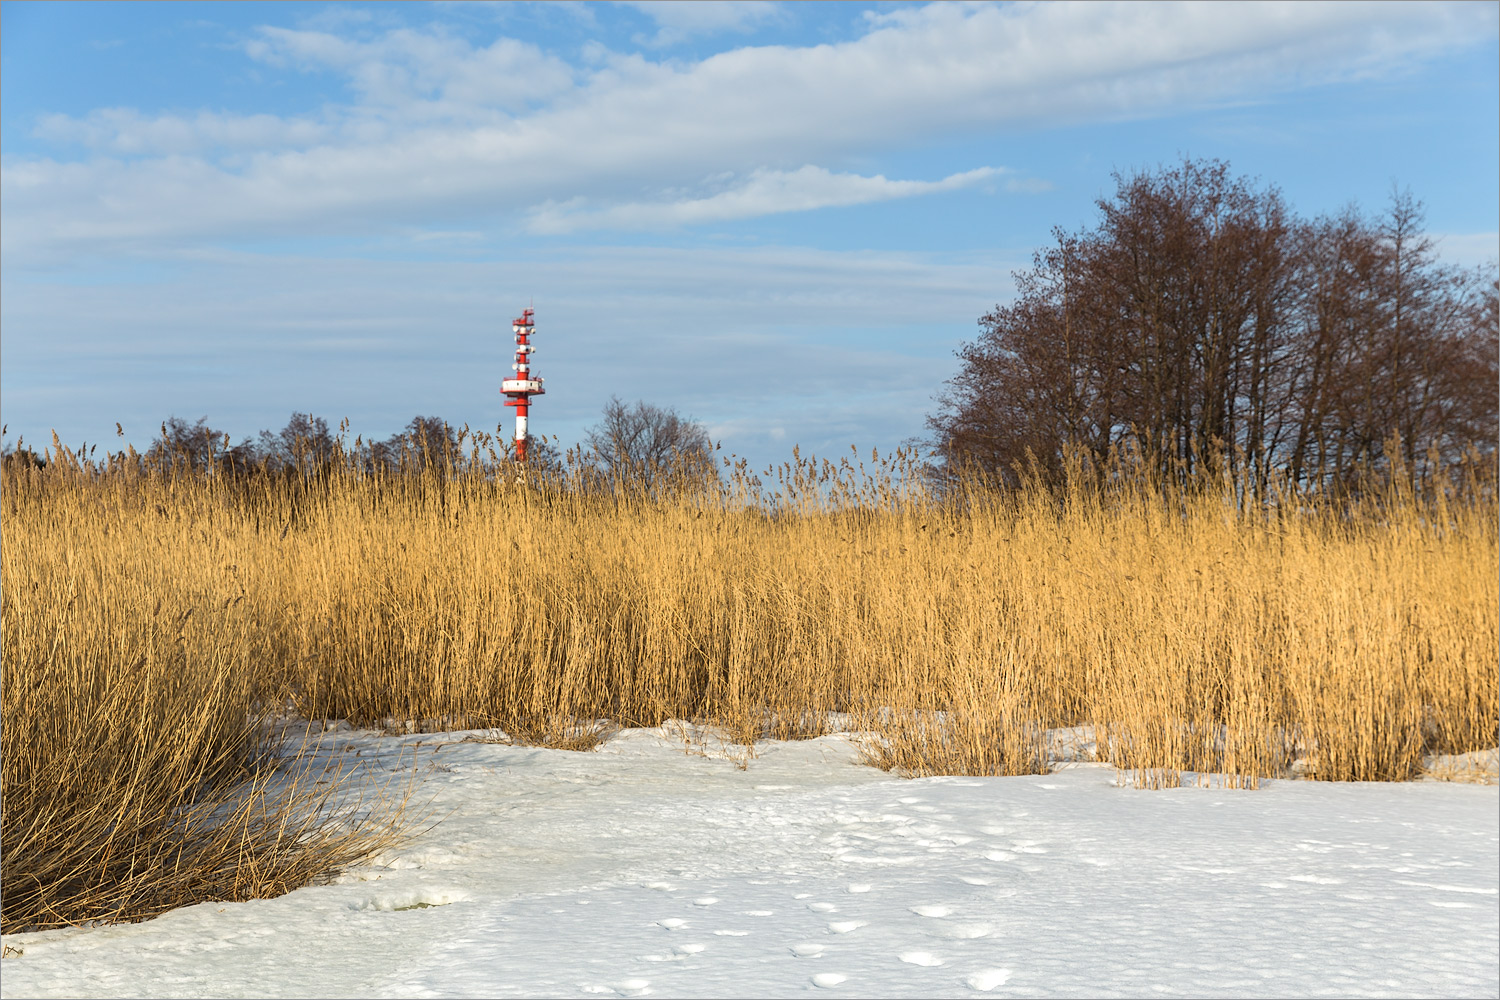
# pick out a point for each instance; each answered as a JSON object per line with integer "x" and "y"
{"x": 153, "y": 618}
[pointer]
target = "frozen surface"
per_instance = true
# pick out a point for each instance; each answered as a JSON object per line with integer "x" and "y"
{"x": 658, "y": 866}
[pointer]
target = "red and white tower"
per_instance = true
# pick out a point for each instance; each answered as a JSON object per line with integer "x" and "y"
{"x": 521, "y": 388}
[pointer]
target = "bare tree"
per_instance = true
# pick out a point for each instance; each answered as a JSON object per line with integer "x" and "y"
{"x": 197, "y": 446}
{"x": 639, "y": 441}
{"x": 1203, "y": 324}
{"x": 304, "y": 443}
{"x": 424, "y": 442}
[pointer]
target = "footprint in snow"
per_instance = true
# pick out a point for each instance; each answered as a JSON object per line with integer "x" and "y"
{"x": 859, "y": 887}
{"x": 807, "y": 950}
{"x": 632, "y": 987}
{"x": 845, "y": 926}
{"x": 821, "y": 907}
{"x": 671, "y": 923}
{"x": 828, "y": 980}
{"x": 705, "y": 901}
{"x": 932, "y": 911}
{"x": 987, "y": 979}
{"x": 688, "y": 949}
{"x": 925, "y": 958}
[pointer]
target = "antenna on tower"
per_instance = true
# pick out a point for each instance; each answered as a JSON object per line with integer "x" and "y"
{"x": 524, "y": 385}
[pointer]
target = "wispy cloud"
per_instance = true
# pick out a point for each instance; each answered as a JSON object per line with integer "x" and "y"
{"x": 406, "y": 75}
{"x": 763, "y": 192}
{"x": 443, "y": 131}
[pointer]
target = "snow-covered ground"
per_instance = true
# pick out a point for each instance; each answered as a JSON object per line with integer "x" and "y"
{"x": 671, "y": 867}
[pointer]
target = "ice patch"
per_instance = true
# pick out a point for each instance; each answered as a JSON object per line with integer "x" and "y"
{"x": 404, "y": 902}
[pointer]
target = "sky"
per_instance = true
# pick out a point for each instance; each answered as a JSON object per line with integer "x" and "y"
{"x": 781, "y": 220}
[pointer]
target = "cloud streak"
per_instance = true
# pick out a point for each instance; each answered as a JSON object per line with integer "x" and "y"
{"x": 506, "y": 134}
{"x": 764, "y": 192}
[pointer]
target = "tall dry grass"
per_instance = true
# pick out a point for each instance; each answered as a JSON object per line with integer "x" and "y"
{"x": 1197, "y": 632}
{"x": 141, "y": 769}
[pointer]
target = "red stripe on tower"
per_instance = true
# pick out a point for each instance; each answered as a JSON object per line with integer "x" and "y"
{"x": 521, "y": 388}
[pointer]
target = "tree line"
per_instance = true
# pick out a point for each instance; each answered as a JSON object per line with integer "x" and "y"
{"x": 632, "y": 442}
{"x": 1201, "y": 325}
{"x": 305, "y": 443}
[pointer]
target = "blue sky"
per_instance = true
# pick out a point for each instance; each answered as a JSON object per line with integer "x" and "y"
{"x": 780, "y": 219}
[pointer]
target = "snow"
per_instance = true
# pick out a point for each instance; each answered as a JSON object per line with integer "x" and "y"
{"x": 671, "y": 864}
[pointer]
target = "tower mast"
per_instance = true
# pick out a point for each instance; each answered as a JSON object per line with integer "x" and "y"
{"x": 523, "y": 386}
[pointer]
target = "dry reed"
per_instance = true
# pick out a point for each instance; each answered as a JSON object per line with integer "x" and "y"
{"x": 140, "y": 767}
{"x": 1196, "y": 631}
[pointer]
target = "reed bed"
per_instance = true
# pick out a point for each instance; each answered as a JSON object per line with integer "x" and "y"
{"x": 152, "y": 616}
{"x": 141, "y": 754}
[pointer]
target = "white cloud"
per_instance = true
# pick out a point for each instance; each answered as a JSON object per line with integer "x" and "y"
{"x": 447, "y": 132}
{"x": 764, "y": 192}
{"x": 423, "y": 74}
